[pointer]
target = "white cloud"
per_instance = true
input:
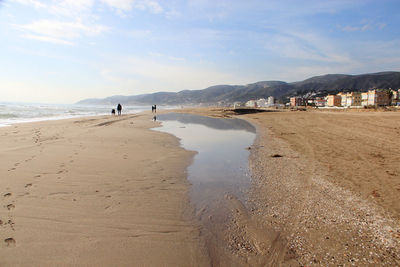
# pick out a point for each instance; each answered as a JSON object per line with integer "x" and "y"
{"x": 364, "y": 26}
{"x": 128, "y": 5}
{"x": 119, "y": 4}
{"x": 33, "y": 3}
{"x": 306, "y": 46}
{"x": 47, "y": 39}
{"x": 59, "y": 31}
{"x": 71, "y": 8}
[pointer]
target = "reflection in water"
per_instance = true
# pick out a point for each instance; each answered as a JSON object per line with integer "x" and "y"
{"x": 221, "y": 165}
{"x": 219, "y": 173}
{"x": 214, "y": 123}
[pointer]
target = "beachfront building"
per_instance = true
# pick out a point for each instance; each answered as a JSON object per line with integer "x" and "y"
{"x": 317, "y": 102}
{"x": 296, "y": 101}
{"x": 270, "y": 101}
{"x": 261, "y": 103}
{"x": 395, "y": 101}
{"x": 343, "y": 99}
{"x": 333, "y": 100}
{"x": 364, "y": 99}
{"x": 251, "y": 104}
{"x": 376, "y": 97}
{"x": 320, "y": 102}
{"x": 352, "y": 99}
{"x": 237, "y": 104}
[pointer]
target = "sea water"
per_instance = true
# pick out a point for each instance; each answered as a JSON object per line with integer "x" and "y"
{"x": 12, "y": 112}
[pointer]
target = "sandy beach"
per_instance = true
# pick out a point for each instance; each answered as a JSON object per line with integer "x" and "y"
{"x": 329, "y": 183}
{"x": 108, "y": 191}
{"x": 100, "y": 191}
{"x": 325, "y": 190}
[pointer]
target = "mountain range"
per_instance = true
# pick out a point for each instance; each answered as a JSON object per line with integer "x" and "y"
{"x": 318, "y": 85}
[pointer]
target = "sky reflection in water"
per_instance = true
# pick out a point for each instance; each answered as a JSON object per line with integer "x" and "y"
{"x": 221, "y": 164}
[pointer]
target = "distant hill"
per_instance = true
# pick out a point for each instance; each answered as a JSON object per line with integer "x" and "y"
{"x": 319, "y": 85}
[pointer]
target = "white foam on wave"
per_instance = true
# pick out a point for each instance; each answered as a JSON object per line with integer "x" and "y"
{"x": 13, "y": 113}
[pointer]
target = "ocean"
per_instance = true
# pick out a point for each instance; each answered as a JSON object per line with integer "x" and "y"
{"x": 12, "y": 112}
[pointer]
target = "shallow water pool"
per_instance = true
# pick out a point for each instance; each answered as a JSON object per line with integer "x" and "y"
{"x": 220, "y": 166}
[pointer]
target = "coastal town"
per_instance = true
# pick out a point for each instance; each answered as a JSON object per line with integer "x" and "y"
{"x": 372, "y": 98}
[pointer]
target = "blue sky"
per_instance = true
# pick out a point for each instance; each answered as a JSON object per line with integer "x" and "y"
{"x": 62, "y": 51}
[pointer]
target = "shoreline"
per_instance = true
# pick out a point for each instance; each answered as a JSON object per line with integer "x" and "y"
{"x": 57, "y": 118}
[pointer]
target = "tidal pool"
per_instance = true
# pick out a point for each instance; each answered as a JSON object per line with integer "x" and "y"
{"x": 220, "y": 166}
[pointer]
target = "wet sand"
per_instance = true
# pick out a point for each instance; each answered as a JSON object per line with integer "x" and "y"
{"x": 100, "y": 191}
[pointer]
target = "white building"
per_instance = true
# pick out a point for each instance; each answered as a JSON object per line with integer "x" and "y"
{"x": 261, "y": 102}
{"x": 237, "y": 104}
{"x": 270, "y": 101}
{"x": 251, "y": 104}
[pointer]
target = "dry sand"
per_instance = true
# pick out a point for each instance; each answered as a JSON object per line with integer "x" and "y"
{"x": 100, "y": 191}
{"x": 329, "y": 184}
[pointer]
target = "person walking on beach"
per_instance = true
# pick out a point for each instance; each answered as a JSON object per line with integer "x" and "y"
{"x": 119, "y": 108}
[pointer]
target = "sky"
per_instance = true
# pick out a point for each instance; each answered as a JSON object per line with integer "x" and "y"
{"x": 63, "y": 51}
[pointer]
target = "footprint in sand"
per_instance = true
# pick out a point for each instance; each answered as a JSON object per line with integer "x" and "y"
{"x": 10, "y": 242}
{"x": 10, "y": 206}
{"x": 11, "y": 224}
{"x": 28, "y": 185}
{"x": 7, "y": 195}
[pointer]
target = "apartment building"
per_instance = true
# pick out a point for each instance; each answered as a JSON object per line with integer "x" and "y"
{"x": 296, "y": 101}
{"x": 261, "y": 103}
{"x": 251, "y": 104}
{"x": 343, "y": 99}
{"x": 317, "y": 102}
{"x": 270, "y": 101}
{"x": 375, "y": 97}
{"x": 333, "y": 100}
{"x": 364, "y": 99}
{"x": 395, "y": 98}
{"x": 351, "y": 99}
